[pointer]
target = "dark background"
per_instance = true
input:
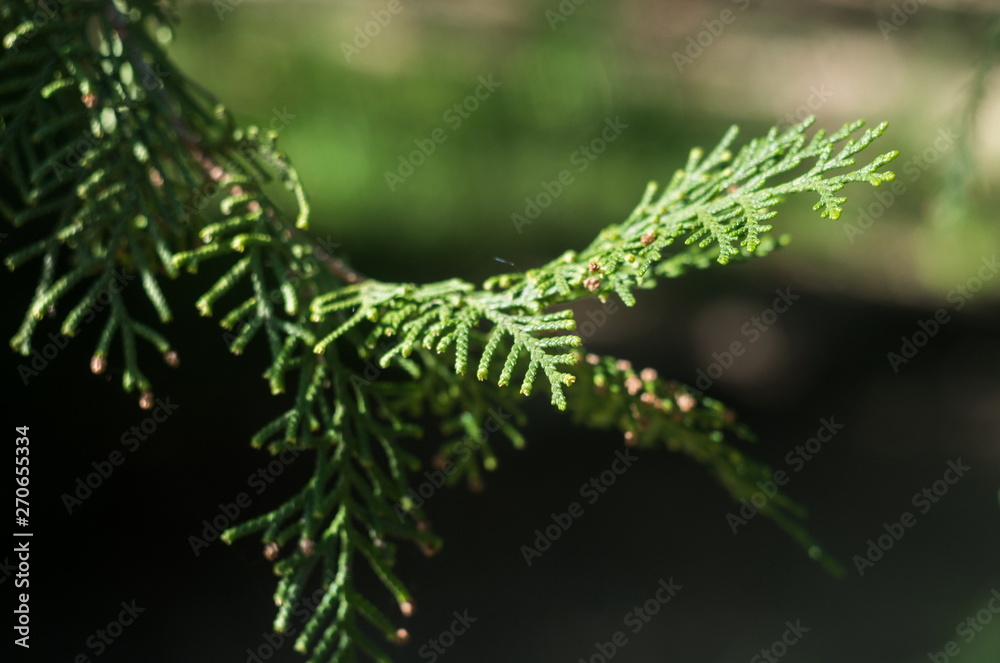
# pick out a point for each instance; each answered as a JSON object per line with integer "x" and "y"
{"x": 665, "y": 517}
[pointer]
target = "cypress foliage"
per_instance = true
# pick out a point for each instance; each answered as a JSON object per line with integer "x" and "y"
{"x": 115, "y": 154}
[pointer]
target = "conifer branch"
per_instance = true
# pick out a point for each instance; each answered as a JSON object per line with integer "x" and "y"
{"x": 360, "y": 359}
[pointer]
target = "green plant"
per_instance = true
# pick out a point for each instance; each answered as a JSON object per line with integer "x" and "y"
{"x": 362, "y": 359}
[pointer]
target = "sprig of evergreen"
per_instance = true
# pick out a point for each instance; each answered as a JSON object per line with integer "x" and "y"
{"x": 126, "y": 167}
{"x": 716, "y": 201}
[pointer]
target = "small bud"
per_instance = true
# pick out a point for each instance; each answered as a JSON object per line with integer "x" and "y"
{"x": 648, "y": 374}
{"x": 630, "y": 438}
{"x": 51, "y": 311}
{"x": 402, "y": 636}
{"x": 98, "y": 364}
{"x": 146, "y": 400}
{"x": 271, "y": 551}
{"x": 623, "y": 365}
{"x": 307, "y": 546}
{"x": 89, "y": 100}
{"x": 406, "y": 607}
{"x": 634, "y": 386}
{"x": 686, "y": 402}
{"x": 647, "y": 397}
{"x": 647, "y": 239}
{"x": 593, "y": 267}
{"x": 593, "y": 359}
{"x": 592, "y": 283}
{"x": 171, "y": 359}
{"x": 155, "y": 177}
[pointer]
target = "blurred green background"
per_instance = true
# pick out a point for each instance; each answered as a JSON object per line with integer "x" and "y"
{"x": 357, "y": 110}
